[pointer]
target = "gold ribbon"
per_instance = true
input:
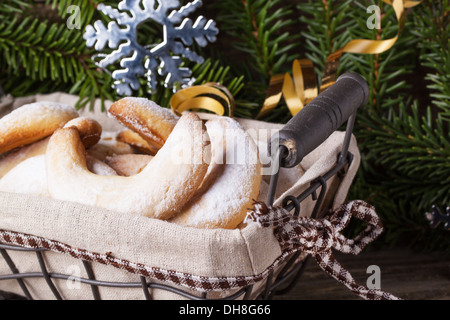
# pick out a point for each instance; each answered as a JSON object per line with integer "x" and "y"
{"x": 210, "y": 96}
{"x": 301, "y": 88}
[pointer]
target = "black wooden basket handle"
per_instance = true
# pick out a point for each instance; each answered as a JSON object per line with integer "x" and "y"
{"x": 313, "y": 124}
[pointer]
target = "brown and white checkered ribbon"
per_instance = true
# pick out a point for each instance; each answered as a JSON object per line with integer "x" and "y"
{"x": 319, "y": 236}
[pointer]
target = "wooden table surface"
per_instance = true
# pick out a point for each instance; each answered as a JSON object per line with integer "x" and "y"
{"x": 404, "y": 273}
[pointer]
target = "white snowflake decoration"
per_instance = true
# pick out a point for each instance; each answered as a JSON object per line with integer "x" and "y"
{"x": 153, "y": 59}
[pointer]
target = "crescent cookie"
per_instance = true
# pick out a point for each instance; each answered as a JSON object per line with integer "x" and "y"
{"x": 33, "y": 122}
{"x": 15, "y": 157}
{"x": 109, "y": 146}
{"x": 232, "y": 182}
{"x": 136, "y": 141}
{"x": 128, "y": 164}
{"x": 151, "y": 121}
{"x": 90, "y": 133}
{"x": 30, "y": 176}
{"x": 158, "y": 191}
{"x": 90, "y": 130}
{"x": 24, "y": 170}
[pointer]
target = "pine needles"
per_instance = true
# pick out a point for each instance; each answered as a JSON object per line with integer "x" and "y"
{"x": 402, "y": 131}
{"x": 403, "y": 139}
{"x": 42, "y": 53}
{"x": 328, "y": 29}
{"x": 433, "y": 30}
{"x": 259, "y": 33}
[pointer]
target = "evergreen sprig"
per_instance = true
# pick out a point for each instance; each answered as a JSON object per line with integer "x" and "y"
{"x": 41, "y": 54}
{"x": 259, "y": 29}
{"x": 327, "y": 30}
{"x": 404, "y": 142}
{"x": 433, "y": 29}
{"x": 260, "y": 40}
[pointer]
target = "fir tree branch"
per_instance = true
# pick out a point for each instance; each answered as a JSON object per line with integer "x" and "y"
{"x": 259, "y": 41}
{"x": 55, "y": 58}
{"x": 433, "y": 29}
{"x": 328, "y": 29}
{"x": 260, "y": 30}
{"x": 404, "y": 145}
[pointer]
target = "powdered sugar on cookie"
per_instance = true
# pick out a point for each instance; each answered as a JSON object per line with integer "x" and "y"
{"x": 33, "y": 122}
{"x": 153, "y": 122}
{"x": 232, "y": 181}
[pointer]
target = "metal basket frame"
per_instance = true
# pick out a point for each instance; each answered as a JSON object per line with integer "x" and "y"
{"x": 280, "y": 284}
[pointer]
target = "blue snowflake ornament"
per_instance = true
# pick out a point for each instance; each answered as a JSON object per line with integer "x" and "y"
{"x": 163, "y": 59}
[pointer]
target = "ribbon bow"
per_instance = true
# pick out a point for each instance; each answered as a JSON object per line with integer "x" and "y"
{"x": 319, "y": 236}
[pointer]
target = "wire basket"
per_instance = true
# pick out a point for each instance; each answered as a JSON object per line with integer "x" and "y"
{"x": 278, "y": 281}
